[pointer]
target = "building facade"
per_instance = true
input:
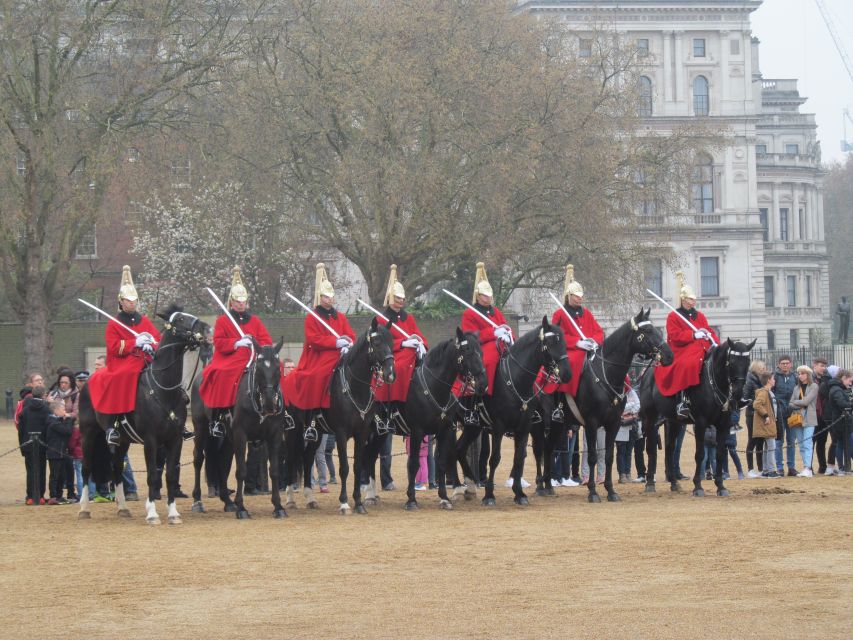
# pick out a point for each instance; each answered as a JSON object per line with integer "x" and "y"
{"x": 751, "y": 239}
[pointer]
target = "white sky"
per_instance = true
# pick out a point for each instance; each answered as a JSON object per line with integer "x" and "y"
{"x": 795, "y": 43}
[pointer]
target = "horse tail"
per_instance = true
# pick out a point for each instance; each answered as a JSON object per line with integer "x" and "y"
{"x": 97, "y": 460}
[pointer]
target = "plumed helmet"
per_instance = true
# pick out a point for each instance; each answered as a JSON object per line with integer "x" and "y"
{"x": 684, "y": 290}
{"x": 238, "y": 291}
{"x": 322, "y": 286}
{"x": 481, "y": 282}
{"x": 395, "y": 288}
{"x": 571, "y": 286}
{"x": 127, "y": 290}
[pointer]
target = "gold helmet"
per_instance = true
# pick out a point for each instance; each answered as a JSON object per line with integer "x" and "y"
{"x": 684, "y": 290}
{"x": 238, "y": 291}
{"x": 571, "y": 287}
{"x": 322, "y": 286}
{"x": 395, "y": 288}
{"x": 127, "y": 290}
{"x": 481, "y": 282}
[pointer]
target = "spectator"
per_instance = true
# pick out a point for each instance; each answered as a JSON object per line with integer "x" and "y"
{"x": 331, "y": 444}
{"x": 786, "y": 380}
{"x": 823, "y": 398}
{"x": 837, "y": 412}
{"x": 599, "y": 446}
{"x": 320, "y": 464}
{"x": 422, "y": 476}
{"x": 100, "y": 362}
{"x": 681, "y": 430}
{"x": 639, "y": 452}
{"x": 32, "y": 430}
{"x": 803, "y": 403}
{"x": 731, "y": 445}
{"x": 821, "y": 432}
{"x": 65, "y": 389}
{"x": 33, "y": 380}
{"x": 709, "y": 462}
{"x": 764, "y": 422}
{"x": 57, "y": 434}
{"x": 626, "y": 437}
{"x": 756, "y": 368}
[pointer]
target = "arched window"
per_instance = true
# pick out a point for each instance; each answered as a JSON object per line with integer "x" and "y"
{"x": 645, "y": 108}
{"x": 700, "y": 96}
{"x": 702, "y": 185}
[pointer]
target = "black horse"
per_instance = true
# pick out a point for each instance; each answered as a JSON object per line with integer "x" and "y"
{"x": 158, "y": 420}
{"x": 350, "y": 414}
{"x": 431, "y": 407}
{"x": 601, "y": 394}
{"x": 513, "y": 401}
{"x": 719, "y": 390}
{"x": 258, "y": 414}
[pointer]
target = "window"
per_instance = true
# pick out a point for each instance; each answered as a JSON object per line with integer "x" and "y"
{"x": 21, "y": 163}
{"x": 783, "y": 224}
{"x": 761, "y": 149}
{"x": 792, "y": 291}
{"x": 771, "y": 338}
{"x": 642, "y": 47}
{"x": 78, "y": 170}
{"x": 801, "y": 223}
{"x": 700, "y": 96}
{"x": 654, "y": 276}
{"x": 703, "y": 186}
{"x": 792, "y": 149}
{"x": 765, "y": 224}
{"x": 769, "y": 285}
{"x": 585, "y": 48}
{"x": 87, "y": 245}
{"x": 180, "y": 171}
{"x": 709, "y": 268}
{"x": 808, "y": 291}
{"x": 794, "y": 339}
{"x": 698, "y": 47}
{"x": 645, "y": 109}
{"x": 72, "y": 115}
{"x": 734, "y": 47}
{"x": 132, "y": 154}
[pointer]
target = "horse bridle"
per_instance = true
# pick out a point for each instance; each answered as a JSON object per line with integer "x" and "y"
{"x": 188, "y": 340}
{"x": 553, "y": 370}
{"x": 463, "y": 373}
{"x": 653, "y": 355}
{"x": 256, "y": 393}
{"x": 725, "y": 400}
{"x": 376, "y": 373}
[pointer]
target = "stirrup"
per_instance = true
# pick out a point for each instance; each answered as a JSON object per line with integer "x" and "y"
{"x": 683, "y": 412}
{"x": 535, "y": 417}
{"x": 289, "y": 422}
{"x": 113, "y": 437}
{"x": 216, "y": 429}
{"x": 311, "y": 434}
{"x": 558, "y": 415}
{"x": 382, "y": 426}
{"x": 186, "y": 434}
{"x": 471, "y": 418}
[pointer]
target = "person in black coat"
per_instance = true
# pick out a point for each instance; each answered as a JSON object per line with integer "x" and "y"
{"x": 836, "y": 412}
{"x": 33, "y": 424}
{"x": 59, "y": 428}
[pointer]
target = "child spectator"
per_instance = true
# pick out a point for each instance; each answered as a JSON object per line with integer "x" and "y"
{"x": 58, "y": 432}
{"x": 764, "y": 423}
{"x": 32, "y": 428}
{"x": 422, "y": 477}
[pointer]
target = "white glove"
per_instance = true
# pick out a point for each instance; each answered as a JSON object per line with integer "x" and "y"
{"x": 587, "y": 344}
{"x": 343, "y": 342}
{"x": 421, "y": 349}
{"x": 245, "y": 341}
{"x": 411, "y": 343}
{"x": 503, "y": 333}
{"x": 700, "y": 335}
{"x": 143, "y": 339}
{"x": 148, "y": 348}
{"x": 344, "y": 350}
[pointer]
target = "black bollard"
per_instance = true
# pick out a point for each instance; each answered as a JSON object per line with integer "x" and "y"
{"x": 9, "y": 404}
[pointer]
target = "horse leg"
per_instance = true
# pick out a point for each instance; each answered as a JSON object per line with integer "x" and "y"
{"x": 651, "y": 432}
{"x": 413, "y": 463}
{"x": 468, "y": 435}
{"x": 226, "y": 452}
{"x": 173, "y": 459}
{"x": 198, "y": 460}
{"x": 609, "y": 441}
{"x": 118, "y": 480}
{"x": 343, "y": 470}
{"x": 371, "y": 455}
{"x": 307, "y": 478}
{"x": 293, "y": 447}
{"x": 591, "y": 434}
{"x": 699, "y": 456}
{"x": 153, "y": 478}
{"x": 670, "y": 434}
{"x": 494, "y": 461}
{"x": 442, "y": 459}
{"x": 358, "y": 461}
{"x": 722, "y": 452}
{"x": 240, "y": 450}
{"x": 554, "y": 436}
{"x": 274, "y": 439}
{"x": 519, "y": 454}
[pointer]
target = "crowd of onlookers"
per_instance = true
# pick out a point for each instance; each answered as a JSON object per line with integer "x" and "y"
{"x": 784, "y": 411}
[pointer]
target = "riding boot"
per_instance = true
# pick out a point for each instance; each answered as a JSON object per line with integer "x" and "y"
{"x": 113, "y": 435}
{"x": 311, "y": 434}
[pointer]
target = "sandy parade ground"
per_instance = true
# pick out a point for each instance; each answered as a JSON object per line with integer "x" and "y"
{"x": 771, "y": 561}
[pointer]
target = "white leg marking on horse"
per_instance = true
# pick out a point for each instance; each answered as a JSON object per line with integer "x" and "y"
{"x": 470, "y": 486}
{"x": 344, "y": 508}
{"x": 174, "y": 516}
{"x": 151, "y": 516}
{"x": 120, "y": 500}
{"x": 84, "y": 503}
{"x": 290, "y": 495}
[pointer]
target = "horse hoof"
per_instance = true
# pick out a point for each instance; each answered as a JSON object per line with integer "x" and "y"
{"x": 411, "y": 506}
{"x": 360, "y": 508}
{"x": 124, "y": 513}
{"x": 550, "y": 491}
{"x": 541, "y": 492}
{"x": 470, "y": 495}
{"x": 613, "y": 497}
{"x": 723, "y": 493}
{"x": 675, "y": 487}
{"x": 175, "y": 520}
{"x": 446, "y": 505}
{"x": 344, "y": 510}
{"x": 650, "y": 488}
{"x": 244, "y": 515}
{"x": 522, "y": 501}
{"x": 489, "y": 502}
{"x": 198, "y": 507}
{"x": 230, "y": 508}
{"x": 152, "y": 520}
{"x": 370, "y": 502}
{"x": 290, "y": 505}
{"x": 593, "y": 498}
{"x": 279, "y": 513}
{"x": 84, "y": 515}
{"x": 313, "y": 505}
{"x": 698, "y": 493}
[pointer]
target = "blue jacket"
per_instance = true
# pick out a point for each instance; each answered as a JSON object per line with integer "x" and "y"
{"x": 783, "y": 390}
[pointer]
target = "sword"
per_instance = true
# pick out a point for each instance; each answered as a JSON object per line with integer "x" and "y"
{"x": 234, "y": 322}
{"x": 313, "y": 313}
{"x": 689, "y": 324}
{"x": 113, "y": 318}
{"x": 471, "y": 307}
{"x": 381, "y": 315}
{"x": 568, "y": 315}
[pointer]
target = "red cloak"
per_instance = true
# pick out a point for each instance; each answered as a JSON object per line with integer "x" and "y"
{"x": 307, "y": 386}
{"x": 404, "y": 358}
{"x": 221, "y": 377}
{"x": 689, "y": 353}
{"x": 471, "y": 321}
{"x": 113, "y": 387}
{"x": 591, "y": 329}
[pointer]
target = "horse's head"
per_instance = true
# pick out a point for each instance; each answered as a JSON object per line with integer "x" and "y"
{"x": 647, "y": 340}
{"x": 183, "y": 329}
{"x": 469, "y": 361}
{"x": 380, "y": 350}
{"x": 552, "y": 346}
{"x": 737, "y": 365}
{"x": 266, "y": 392}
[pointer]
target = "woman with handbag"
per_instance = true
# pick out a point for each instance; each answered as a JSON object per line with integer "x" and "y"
{"x": 802, "y": 421}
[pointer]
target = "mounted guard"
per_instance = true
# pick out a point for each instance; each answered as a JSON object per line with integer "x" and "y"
{"x": 232, "y": 353}
{"x": 131, "y": 343}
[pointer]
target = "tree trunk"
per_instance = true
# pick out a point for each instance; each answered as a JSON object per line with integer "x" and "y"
{"x": 38, "y": 333}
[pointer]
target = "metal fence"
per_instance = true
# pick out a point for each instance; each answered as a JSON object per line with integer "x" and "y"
{"x": 840, "y": 354}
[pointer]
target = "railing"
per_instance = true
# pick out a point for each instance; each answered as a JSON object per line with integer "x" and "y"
{"x": 779, "y": 85}
{"x": 839, "y": 354}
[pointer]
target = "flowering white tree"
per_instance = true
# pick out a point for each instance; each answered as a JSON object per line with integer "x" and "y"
{"x": 193, "y": 240}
